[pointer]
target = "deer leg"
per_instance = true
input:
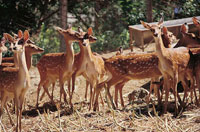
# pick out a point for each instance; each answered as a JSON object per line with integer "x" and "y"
{"x": 62, "y": 90}
{"x": 118, "y": 88}
{"x": 38, "y": 93}
{"x": 91, "y": 86}
{"x": 112, "y": 81}
{"x": 166, "y": 87}
{"x": 97, "y": 92}
{"x": 116, "y": 95}
{"x": 73, "y": 87}
{"x": 11, "y": 121}
{"x": 192, "y": 88}
{"x": 110, "y": 97}
{"x": 150, "y": 91}
{"x": 4, "y": 100}
{"x": 102, "y": 102}
{"x": 17, "y": 112}
{"x": 121, "y": 96}
{"x": 185, "y": 84}
{"x": 86, "y": 89}
{"x": 21, "y": 99}
{"x": 175, "y": 82}
{"x": 46, "y": 85}
{"x": 53, "y": 86}
{"x": 198, "y": 85}
{"x": 43, "y": 94}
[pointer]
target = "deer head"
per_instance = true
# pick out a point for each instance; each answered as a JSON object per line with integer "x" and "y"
{"x": 155, "y": 28}
{"x": 86, "y": 37}
{"x": 33, "y": 49}
{"x": 68, "y": 34}
{"x": 188, "y": 39}
{"x": 19, "y": 45}
{"x": 168, "y": 37}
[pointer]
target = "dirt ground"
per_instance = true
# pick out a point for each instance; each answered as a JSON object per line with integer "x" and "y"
{"x": 134, "y": 117}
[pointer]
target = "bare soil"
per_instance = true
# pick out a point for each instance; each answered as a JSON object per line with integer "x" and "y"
{"x": 134, "y": 117}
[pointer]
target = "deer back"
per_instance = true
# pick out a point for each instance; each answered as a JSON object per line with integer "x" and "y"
{"x": 137, "y": 66}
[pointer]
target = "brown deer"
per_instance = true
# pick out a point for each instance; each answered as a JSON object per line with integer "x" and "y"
{"x": 168, "y": 39}
{"x": 14, "y": 82}
{"x": 55, "y": 66}
{"x": 87, "y": 64}
{"x": 30, "y": 49}
{"x": 173, "y": 63}
{"x": 120, "y": 69}
{"x": 147, "y": 59}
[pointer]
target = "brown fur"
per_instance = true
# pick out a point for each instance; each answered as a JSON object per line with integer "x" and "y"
{"x": 55, "y": 66}
{"x": 139, "y": 60}
{"x": 15, "y": 82}
{"x": 173, "y": 63}
{"x": 89, "y": 65}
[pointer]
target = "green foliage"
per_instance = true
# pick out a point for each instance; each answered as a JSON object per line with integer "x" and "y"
{"x": 109, "y": 41}
{"x": 48, "y": 39}
{"x": 109, "y": 19}
{"x": 190, "y": 8}
{"x": 133, "y": 11}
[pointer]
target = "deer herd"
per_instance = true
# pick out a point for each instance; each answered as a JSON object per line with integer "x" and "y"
{"x": 176, "y": 63}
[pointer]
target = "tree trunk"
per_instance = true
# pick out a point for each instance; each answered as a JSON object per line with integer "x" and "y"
{"x": 149, "y": 11}
{"x": 96, "y": 21}
{"x": 63, "y": 22}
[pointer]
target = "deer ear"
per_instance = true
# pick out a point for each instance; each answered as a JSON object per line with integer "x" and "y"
{"x": 145, "y": 25}
{"x": 90, "y": 32}
{"x": 161, "y": 20}
{"x": 20, "y": 34}
{"x": 8, "y": 37}
{"x": 164, "y": 30}
{"x": 26, "y": 35}
{"x": 195, "y": 21}
{"x": 184, "y": 28}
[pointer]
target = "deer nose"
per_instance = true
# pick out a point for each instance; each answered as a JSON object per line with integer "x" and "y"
{"x": 155, "y": 34}
{"x": 95, "y": 38}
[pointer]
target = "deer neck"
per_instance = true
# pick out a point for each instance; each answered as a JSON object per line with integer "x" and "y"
{"x": 28, "y": 57}
{"x": 23, "y": 71}
{"x": 15, "y": 56}
{"x": 160, "y": 48}
{"x": 69, "y": 53}
{"x": 88, "y": 52}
